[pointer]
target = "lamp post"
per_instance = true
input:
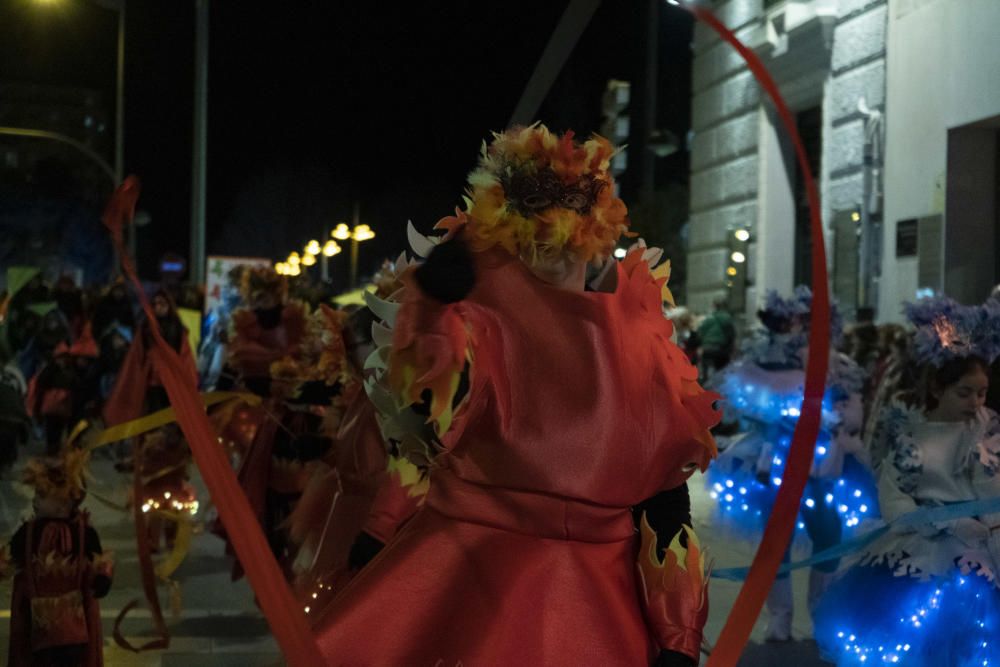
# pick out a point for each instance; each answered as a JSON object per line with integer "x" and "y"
{"x": 357, "y": 234}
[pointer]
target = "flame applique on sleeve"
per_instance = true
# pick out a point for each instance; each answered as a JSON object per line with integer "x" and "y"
{"x": 675, "y": 590}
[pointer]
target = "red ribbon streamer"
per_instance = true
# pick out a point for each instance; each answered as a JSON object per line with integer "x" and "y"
{"x": 781, "y": 523}
{"x": 284, "y": 615}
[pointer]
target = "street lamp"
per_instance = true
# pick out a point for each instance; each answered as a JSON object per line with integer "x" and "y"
{"x": 331, "y": 248}
{"x": 357, "y": 234}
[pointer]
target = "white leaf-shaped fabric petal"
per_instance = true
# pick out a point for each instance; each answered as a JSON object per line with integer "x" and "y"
{"x": 377, "y": 359}
{"x": 652, "y": 256}
{"x": 421, "y": 245}
{"x": 380, "y": 397}
{"x": 384, "y": 310}
{"x": 381, "y": 335}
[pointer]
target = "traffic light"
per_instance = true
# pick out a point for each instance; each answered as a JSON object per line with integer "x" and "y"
{"x": 615, "y": 126}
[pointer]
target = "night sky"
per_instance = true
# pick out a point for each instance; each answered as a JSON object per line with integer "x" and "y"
{"x": 316, "y": 105}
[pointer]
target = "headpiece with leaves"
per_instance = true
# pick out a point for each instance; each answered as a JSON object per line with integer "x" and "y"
{"x": 259, "y": 280}
{"x": 538, "y": 196}
{"x": 947, "y": 330}
{"x": 58, "y": 477}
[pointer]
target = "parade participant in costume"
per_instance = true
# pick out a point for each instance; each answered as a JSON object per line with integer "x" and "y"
{"x": 160, "y": 458}
{"x": 716, "y": 339}
{"x": 51, "y": 397}
{"x": 69, "y": 299}
{"x": 61, "y": 572}
{"x": 114, "y": 309}
{"x": 14, "y": 422}
{"x": 928, "y": 595}
{"x": 295, "y": 360}
{"x": 764, "y": 392}
{"x": 138, "y": 387}
{"x": 164, "y": 482}
{"x": 577, "y": 408}
{"x": 894, "y": 375}
{"x": 357, "y": 496}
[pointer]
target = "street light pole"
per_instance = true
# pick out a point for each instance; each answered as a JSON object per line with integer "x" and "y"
{"x": 120, "y": 121}
{"x": 354, "y": 245}
{"x": 200, "y": 144}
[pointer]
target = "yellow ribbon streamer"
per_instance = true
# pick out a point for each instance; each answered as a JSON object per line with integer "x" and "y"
{"x": 182, "y": 544}
{"x": 166, "y": 416}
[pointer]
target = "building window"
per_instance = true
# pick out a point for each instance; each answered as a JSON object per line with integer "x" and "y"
{"x": 810, "y": 127}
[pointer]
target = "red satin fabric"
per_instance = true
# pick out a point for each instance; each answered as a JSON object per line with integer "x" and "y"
{"x": 525, "y": 551}
{"x": 333, "y": 509}
{"x": 394, "y": 504}
{"x": 138, "y": 373}
{"x": 284, "y": 614}
{"x": 19, "y": 651}
{"x": 781, "y": 523}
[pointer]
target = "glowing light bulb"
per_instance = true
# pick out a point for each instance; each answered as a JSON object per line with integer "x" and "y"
{"x": 363, "y": 233}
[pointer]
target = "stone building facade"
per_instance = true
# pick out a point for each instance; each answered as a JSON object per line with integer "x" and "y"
{"x": 826, "y": 56}
{"x": 898, "y": 104}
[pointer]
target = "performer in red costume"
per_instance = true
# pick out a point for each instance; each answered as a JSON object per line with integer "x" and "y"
{"x": 61, "y": 571}
{"x": 578, "y": 408}
{"x": 138, "y": 386}
{"x": 294, "y": 360}
{"x": 355, "y": 499}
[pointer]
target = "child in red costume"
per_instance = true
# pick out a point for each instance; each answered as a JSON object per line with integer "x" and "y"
{"x": 61, "y": 571}
{"x": 578, "y": 408}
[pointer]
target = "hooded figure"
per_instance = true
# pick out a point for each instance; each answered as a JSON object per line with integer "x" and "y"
{"x": 138, "y": 384}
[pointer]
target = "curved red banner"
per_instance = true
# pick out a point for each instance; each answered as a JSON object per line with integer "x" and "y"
{"x": 284, "y": 615}
{"x": 781, "y": 523}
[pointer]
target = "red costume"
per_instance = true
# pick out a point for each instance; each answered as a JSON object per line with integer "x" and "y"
{"x": 352, "y": 491}
{"x": 578, "y": 408}
{"x": 138, "y": 377}
{"x": 60, "y": 573}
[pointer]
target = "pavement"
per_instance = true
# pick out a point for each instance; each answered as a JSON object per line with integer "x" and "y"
{"x": 731, "y": 552}
{"x": 220, "y": 626}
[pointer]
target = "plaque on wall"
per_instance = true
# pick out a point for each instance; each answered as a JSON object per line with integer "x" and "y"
{"x": 906, "y": 238}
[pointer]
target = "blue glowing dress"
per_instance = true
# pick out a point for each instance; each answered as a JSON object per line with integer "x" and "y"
{"x": 924, "y": 598}
{"x": 764, "y": 390}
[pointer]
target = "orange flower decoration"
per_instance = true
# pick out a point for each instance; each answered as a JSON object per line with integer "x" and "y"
{"x": 538, "y": 195}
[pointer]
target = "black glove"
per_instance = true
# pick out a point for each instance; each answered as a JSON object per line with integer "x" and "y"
{"x": 449, "y": 273}
{"x": 674, "y": 659}
{"x": 365, "y": 548}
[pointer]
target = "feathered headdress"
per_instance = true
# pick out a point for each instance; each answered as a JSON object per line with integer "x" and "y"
{"x": 948, "y": 330}
{"x": 58, "y": 477}
{"x": 259, "y": 280}
{"x": 538, "y": 195}
{"x": 779, "y": 314}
